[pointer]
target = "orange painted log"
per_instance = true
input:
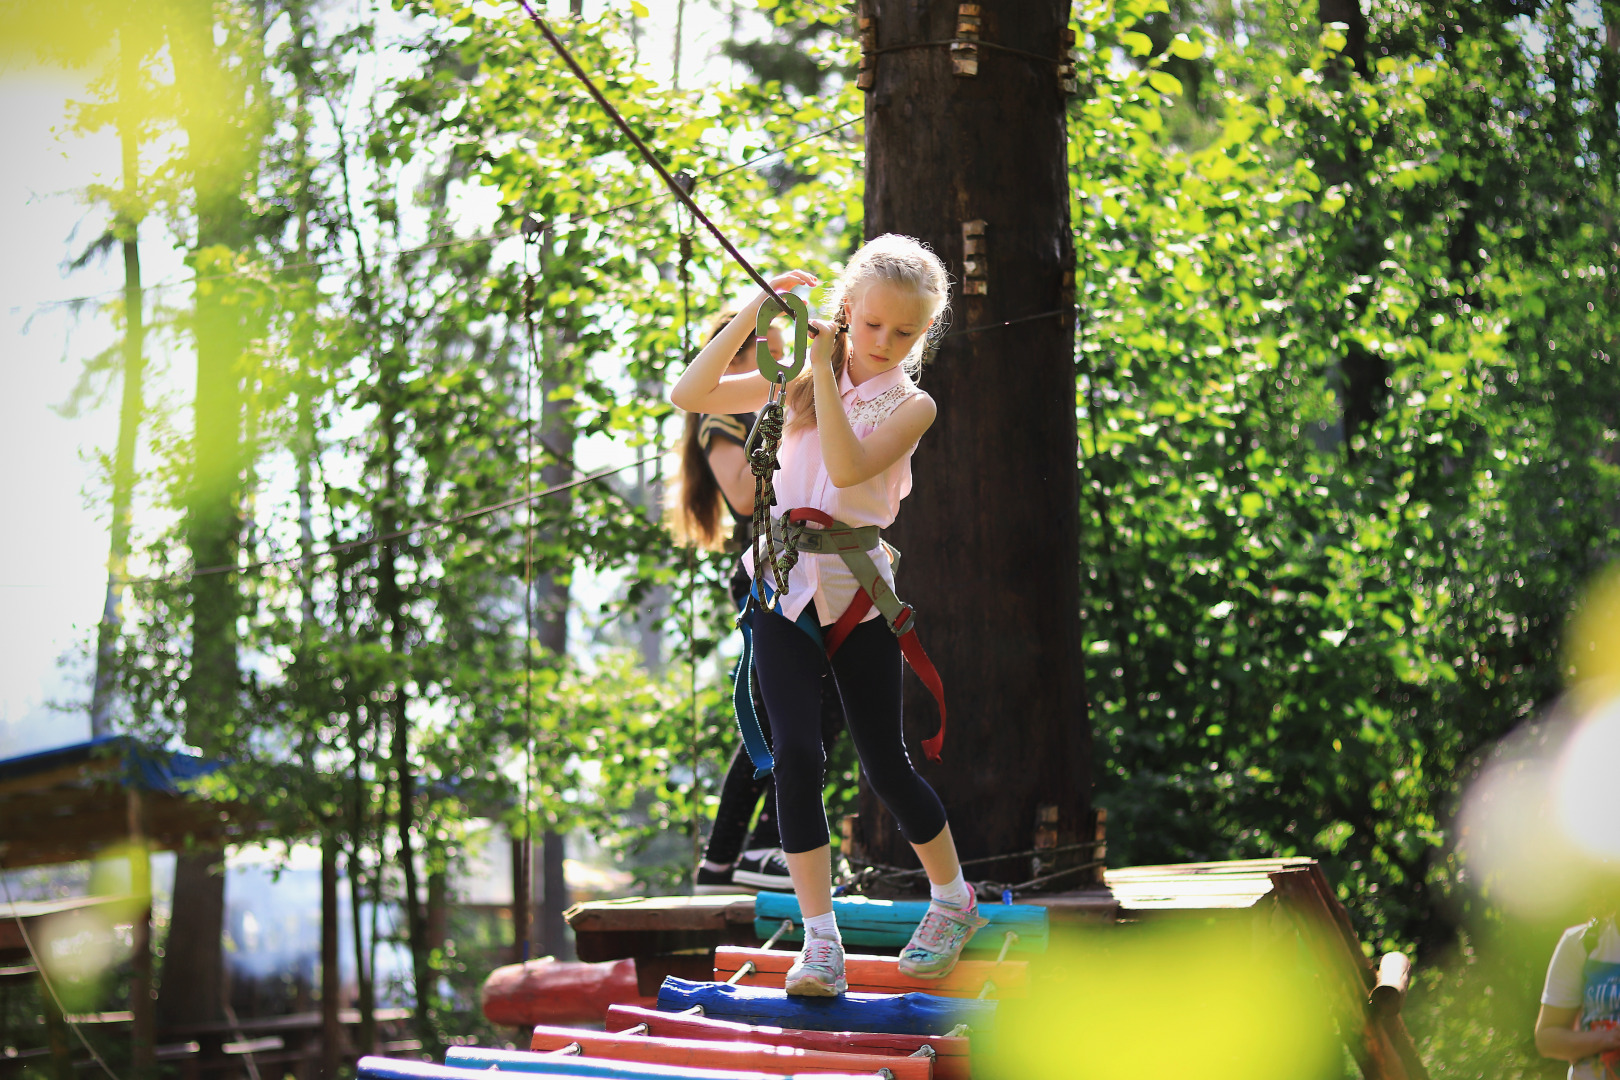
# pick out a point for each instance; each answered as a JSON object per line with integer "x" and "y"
{"x": 879, "y": 974}
{"x": 548, "y": 991}
{"x": 951, "y": 1053}
{"x": 739, "y": 1056}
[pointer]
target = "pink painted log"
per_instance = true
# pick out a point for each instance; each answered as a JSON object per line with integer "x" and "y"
{"x": 548, "y": 991}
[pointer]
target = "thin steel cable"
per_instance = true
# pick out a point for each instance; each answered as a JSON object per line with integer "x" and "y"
{"x": 1010, "y": 322}
{"x": 646, "y": 154}
{"x": 371, "y": 541}
{"x": 45, "y": 979}
{"x": 486, "y": 238}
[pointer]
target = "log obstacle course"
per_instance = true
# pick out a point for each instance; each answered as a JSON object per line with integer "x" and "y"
{"x": 706, "y": 951}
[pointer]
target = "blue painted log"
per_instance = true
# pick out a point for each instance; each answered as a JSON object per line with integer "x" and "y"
{"x": 573, "y": 1068}
{"x": 863, "y": 921}
{"x": 899, "y": 1014}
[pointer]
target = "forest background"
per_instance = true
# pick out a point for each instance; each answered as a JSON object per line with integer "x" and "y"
{"x": 1344, "y": 387}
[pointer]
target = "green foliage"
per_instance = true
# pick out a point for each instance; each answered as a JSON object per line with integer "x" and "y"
{"x": 1346, "y": 418}
{"x": 1345, "y": 394}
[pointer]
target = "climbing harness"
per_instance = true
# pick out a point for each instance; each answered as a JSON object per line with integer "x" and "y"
{"x": 793, "y": 533}
{"x": 851, "y": 543}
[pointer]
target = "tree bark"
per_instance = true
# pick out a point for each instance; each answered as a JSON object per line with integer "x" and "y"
{"x": 991, "y": 531}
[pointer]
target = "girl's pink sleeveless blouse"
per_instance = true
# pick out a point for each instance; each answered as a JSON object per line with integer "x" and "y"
{"x": 803, "y": 481}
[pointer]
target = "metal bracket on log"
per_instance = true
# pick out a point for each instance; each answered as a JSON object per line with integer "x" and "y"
{"x": 975, "y": 265}
{"x": 864, "y": 78}
{"x": 965, "y": 50}
{"x": 1065, "y": 72}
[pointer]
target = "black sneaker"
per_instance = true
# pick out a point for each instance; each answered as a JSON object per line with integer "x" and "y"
{"x": 763, "y": 869}
{"x": 711, "y": 882}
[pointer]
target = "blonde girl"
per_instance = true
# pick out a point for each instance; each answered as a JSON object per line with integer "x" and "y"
{"x": 853, "y": 421}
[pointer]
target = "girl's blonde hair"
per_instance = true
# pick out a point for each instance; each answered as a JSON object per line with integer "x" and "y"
{"x": 895, "y": 260}
{"x": 698, "y": 513}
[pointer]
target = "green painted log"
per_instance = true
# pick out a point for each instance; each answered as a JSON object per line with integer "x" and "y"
{"x": 862, "y": 921}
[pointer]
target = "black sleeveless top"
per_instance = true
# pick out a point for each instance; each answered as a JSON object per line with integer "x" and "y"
{"x": 732, "y": 427}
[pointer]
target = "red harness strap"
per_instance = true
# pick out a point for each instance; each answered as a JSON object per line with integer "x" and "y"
{"x": 904, "y": 627}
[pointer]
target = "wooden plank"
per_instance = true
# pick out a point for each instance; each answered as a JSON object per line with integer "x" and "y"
{"x": 951, "y": 1060}
{"x": 1301, "y": 894}
{"x": 909, "y": 1014}
{"x": 639, "y": 926}
{"x": 661, "y": 913}
{"x": 865, "y": 921}
{"x": 696, "y": 1053}
{"x": 880, "y": 974}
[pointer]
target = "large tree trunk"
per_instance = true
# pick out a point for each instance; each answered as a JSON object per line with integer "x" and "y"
{"x": 990, "y": 533}
{"x": 216, "y": 110}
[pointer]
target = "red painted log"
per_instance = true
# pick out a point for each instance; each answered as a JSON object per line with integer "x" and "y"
{"x": 950, "y": 1063}
{"x": 736, "y": 1056}
{"x": 548, "y": 991}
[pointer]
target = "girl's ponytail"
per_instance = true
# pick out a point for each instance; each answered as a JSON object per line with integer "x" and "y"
{"x": 697, "y": 512}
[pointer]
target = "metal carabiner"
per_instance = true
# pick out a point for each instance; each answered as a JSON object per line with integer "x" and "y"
{"x": 778, "y": 394}
{"x": 800, "y": 312}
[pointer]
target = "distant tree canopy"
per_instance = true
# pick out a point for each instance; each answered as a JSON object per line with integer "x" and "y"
{"x": 1346, "y": 396}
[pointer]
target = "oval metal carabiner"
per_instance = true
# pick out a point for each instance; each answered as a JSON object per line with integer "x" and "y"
{"x": 768, "y": 366}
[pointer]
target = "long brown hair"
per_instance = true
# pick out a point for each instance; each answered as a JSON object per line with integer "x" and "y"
{"x": 891, "y": 258}
{"x": 698, "y": 514}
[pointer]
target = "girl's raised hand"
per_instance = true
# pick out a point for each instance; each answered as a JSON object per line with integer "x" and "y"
{"x": 823, "y": 335}
{"x": 792, "y": 279}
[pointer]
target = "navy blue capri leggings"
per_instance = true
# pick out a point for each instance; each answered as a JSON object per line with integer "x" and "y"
{"x": 866, "y": 670}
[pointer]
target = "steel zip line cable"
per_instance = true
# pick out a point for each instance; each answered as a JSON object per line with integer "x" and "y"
{"x": 647, "y": 155}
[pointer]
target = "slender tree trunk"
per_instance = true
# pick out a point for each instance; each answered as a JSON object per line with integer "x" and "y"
{"x": 331, "y": 975}
{"x": 365, "y": 1040}
{"x": 143, "y": 1042}
{"x": 129, "y": 412}
{"x": 391, "y": 607}
{"x": 522, "y": 900}
{"x": 991, "y": 529}
{"x": 551, "y": 633}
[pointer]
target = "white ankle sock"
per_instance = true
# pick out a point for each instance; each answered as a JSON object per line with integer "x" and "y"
{"x": 954, "y": 893}
{"x": 718, "y": 868}
{"x": 823, "y": 926}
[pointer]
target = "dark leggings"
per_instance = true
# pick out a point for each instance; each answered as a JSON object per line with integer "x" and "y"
{"x": 740, "y": 793}
{"x": 866, "y": 670}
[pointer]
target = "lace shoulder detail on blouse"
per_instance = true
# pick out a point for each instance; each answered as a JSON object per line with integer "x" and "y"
{"x": 880, "y": 408}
